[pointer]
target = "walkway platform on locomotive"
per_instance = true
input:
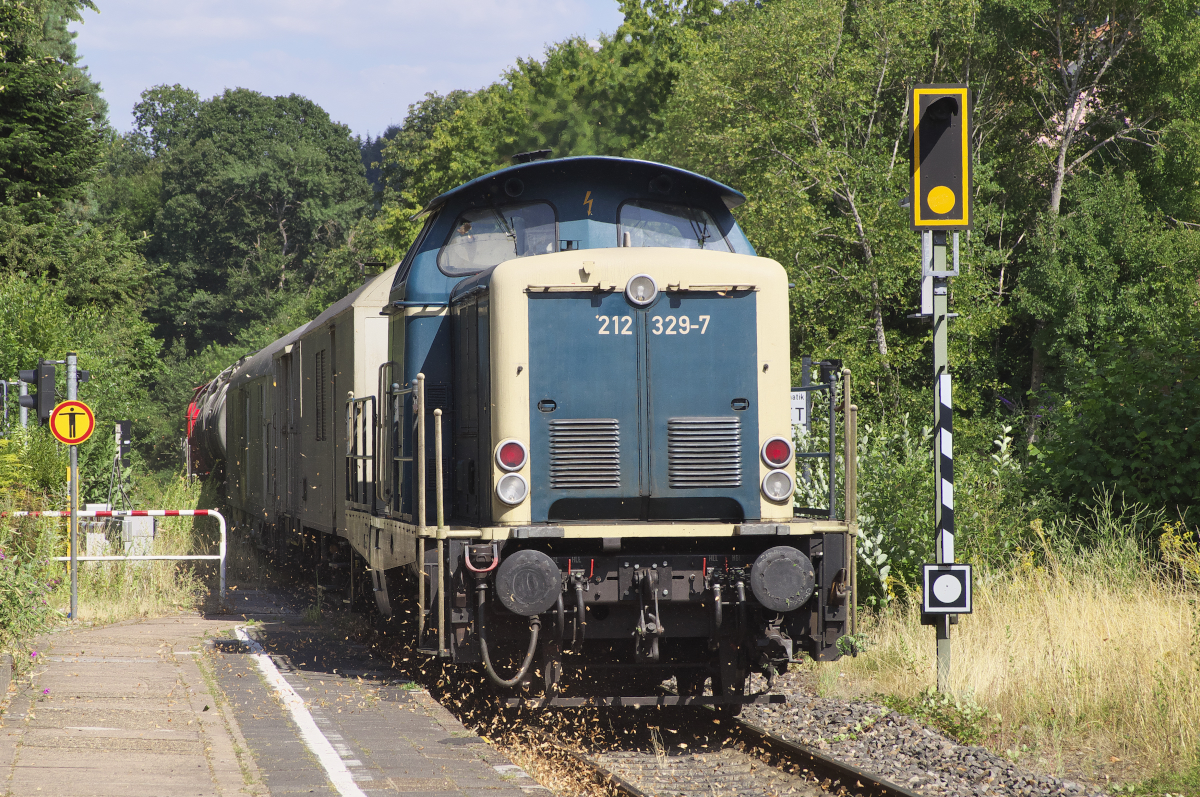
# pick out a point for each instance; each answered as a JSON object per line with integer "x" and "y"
{"x": 181, "y": 706}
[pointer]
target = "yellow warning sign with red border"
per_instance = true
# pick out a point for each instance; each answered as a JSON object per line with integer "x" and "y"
{"x": 72, "y": 422}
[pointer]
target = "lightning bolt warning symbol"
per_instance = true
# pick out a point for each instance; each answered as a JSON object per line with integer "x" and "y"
{"x": 587, "y": 200}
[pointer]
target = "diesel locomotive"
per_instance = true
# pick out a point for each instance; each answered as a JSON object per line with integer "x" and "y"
{"x": 560, "y": 432}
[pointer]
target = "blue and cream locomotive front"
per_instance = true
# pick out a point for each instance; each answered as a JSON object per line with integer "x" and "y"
{"x": 613, "y": 365}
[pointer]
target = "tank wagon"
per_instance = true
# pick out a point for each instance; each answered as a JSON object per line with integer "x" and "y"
{"x": 561, "y": 428}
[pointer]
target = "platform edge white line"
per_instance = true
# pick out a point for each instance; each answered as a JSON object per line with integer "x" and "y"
{"x": 339, "y": 774}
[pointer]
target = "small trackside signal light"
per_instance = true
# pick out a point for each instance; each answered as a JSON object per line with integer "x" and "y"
{"x": 641, "y": 290}
{"x": 511, "y": 455}
{"x": 42, "y": 397}
{"x": 778, "y": 486}
{"x": 777, "y": 452}
{"x": 512, "y": 488}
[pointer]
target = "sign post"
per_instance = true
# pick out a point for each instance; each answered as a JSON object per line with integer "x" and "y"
{"x": 24, "y": 391}
{"x": 72, "y": 422}
{"x": 940, "y": 206}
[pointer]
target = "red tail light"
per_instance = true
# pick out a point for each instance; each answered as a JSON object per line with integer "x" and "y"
{"x": 777, "y": 452}
{"x": 511, "y": 455}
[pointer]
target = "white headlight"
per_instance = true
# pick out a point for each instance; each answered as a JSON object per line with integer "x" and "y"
{"x": 778, "y": 486}
{"x": 512, "y": 488}
{"x": 641, "y": 290}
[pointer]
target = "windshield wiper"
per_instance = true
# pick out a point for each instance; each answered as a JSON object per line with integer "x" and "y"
{"x": 699, "y": 228}
{"x": 509, "y": 232}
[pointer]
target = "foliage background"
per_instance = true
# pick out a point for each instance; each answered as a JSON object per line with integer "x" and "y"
{"x": 219, "y": 223}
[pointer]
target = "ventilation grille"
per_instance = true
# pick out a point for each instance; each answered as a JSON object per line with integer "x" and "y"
{"x": 321, "y": 391}
{"x": 704, "y": 452}
{"x": 585, "y": 453}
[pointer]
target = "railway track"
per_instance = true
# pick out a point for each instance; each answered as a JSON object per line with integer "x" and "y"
{"x": 732, "y": 758}
{"x": 665, "y": 751}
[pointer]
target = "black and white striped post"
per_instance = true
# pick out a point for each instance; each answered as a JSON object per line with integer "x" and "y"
{"x": 943, "y": 449}
{"x": 941, "y": 204}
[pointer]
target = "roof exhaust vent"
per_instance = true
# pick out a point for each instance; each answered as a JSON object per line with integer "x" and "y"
{"x": 531, "y": 156}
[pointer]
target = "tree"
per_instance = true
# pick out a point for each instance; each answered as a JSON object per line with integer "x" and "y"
{"x": 804, "y": 106}
{"x": 1132, "y": 426}
{"x": 1092, "y": 85}
{"x": 256, "y": 191}
{"x": 51, "y": 117}
{"x": 126, "y": 192}
{"x": 372, "y": 155}
{"x": 399, "y": 153}
{"x": 164, "y": 115}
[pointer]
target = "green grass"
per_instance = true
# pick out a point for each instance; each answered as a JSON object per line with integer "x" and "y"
{"x": 1186, "y": 782}
{"x": 957, "y": 716}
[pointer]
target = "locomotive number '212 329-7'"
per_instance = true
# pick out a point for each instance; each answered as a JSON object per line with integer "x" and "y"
{"x": 661, "y": 325}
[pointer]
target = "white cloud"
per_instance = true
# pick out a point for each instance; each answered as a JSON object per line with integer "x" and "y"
{"x": 364, "y": 62}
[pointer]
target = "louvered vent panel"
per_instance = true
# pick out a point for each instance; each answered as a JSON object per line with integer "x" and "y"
{"x": 704, "y": 452}
{"x": 585, "y": 453}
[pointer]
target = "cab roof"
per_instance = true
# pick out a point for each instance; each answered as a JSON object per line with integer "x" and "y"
{"x": 731, "y": 197}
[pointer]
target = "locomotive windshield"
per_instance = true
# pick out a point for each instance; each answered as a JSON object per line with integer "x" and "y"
{"x": 664, "y": 224}
{"x": 488, "y": 236}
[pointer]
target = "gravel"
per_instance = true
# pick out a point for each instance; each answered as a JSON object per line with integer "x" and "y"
{"x": 901, "y": 749}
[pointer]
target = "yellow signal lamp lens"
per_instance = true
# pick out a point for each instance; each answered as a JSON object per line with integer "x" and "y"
{"x": 941, "y": 199}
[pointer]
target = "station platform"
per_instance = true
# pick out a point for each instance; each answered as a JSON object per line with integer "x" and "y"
{"x": 189, "y": 706}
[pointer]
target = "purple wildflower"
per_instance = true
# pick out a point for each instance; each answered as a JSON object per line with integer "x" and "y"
{"x": 45, "y": 691}
{"x": 33, "y": 655}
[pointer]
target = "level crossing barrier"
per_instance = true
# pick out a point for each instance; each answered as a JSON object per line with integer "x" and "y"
{"x": 120, "y": 513}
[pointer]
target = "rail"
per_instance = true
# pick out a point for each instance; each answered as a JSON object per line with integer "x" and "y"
{"x": 625, "y": 775}
{"x": 864, "y": 782}
{"x": 120, "y": 513}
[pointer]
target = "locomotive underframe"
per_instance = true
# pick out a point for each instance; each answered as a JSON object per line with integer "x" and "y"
{"x": 609, "y": 568}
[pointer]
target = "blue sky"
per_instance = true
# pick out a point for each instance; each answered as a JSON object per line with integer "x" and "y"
{"x": 364, "y": 62}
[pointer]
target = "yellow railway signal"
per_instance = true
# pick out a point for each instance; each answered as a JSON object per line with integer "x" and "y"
{"x": 941, "y": 157}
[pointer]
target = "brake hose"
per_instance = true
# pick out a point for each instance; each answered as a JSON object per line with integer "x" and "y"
{"x": 580, "y": 616}
{"x": 535, "y": 625}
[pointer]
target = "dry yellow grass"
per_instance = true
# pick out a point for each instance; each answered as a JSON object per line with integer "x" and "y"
{"x": 1091, "y": 662}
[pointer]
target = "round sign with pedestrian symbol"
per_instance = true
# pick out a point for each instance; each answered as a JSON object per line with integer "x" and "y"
{"x": 72, "y": 422}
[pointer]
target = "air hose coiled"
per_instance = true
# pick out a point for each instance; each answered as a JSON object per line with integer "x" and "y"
{"x": 535, "y": 625}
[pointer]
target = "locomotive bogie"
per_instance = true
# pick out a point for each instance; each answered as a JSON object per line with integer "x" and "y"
{"x": 612, "y": 594}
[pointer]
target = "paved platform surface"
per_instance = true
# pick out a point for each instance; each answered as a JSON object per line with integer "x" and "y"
{"x": 393, "y": 738}
{"x": 123, "y": 710}
{"x": 178, "y": 706}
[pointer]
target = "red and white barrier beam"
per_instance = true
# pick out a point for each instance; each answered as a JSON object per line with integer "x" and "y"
{"x": 120, "y": 513}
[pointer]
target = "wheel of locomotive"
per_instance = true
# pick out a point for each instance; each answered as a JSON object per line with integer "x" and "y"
{"x": 735, "y": 688}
